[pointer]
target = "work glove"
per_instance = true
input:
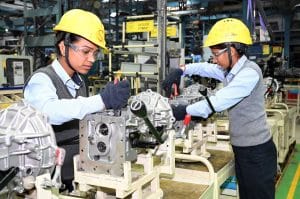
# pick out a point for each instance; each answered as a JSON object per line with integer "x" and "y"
{"x": 173, "y": 78}
{"x": 115, "y": 96}
{"x": 179, "y": 112}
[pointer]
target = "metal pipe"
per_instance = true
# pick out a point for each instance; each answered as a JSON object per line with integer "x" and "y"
{"x": 276, "y": 111}
{"x": 161, "y": 37}
{"x": 220, "y": 137}
{"x": 134, "y": 53}
{"x": 140, "y": 17}
{"x": 201, "y": 159}
{"x": 168, "y": 23}
{"x": 117, "y": 20}
{"x": 110, "y": 64}
{"x": 138, "y": 73}
{"x": 123, "y": 32}
{"x": 223, "y": 137}
{"x": 135, "y": 46}
{"x": 283, "y": 105}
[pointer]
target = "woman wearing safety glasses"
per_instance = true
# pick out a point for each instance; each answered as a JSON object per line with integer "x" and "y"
{"x": 58, "y": 90}
{"x": 243, "y": 97}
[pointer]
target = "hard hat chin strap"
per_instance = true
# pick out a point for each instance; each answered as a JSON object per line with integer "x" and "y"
{"x": 228, "y": 45}
{"x": 67, "y": 45}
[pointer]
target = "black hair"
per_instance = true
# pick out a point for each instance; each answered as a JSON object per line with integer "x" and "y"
{"x": 197, "y": 50}
{"x": 240, "y": 47}
{"x": 62, "y": 36}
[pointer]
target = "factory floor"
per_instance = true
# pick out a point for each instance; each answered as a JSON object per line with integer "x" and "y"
{"x": 288, "y": 185}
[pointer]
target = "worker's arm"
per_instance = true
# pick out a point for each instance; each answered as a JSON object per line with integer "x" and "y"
{"x": 240, "y": 87}
{"x": 201, "y": 69}
{"x": 204, "y": 70}
{"x": 41, "y": 94}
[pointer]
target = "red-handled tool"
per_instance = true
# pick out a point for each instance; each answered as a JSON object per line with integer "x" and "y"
{"x": 186, "y": 122}
{"x": 174, "y": 92}
{"x": 60, "y": 154}
{"x": 117, "y": 77}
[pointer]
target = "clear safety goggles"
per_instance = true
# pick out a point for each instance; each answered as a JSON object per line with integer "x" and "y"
{"x": 220, "y": 52}
{"x": 85, "y": 51}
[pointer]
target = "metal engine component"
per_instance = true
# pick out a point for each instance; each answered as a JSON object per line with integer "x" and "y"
{"x": 27, "y": 142}
{"x": 108, "y": 139}
{"x": 159, "y": 113}
{"x": 103, "y": 143}
{"x": 272, "y": 86}
{"x": 190, "y": 95}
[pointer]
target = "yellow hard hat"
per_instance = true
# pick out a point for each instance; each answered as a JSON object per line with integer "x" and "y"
{"x": 228, "y": 30}
{"x": 84, "y": 24}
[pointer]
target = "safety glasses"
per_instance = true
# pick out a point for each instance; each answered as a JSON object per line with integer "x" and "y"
{"x": 219, "y": 53}
{"x": 85, "y": 51}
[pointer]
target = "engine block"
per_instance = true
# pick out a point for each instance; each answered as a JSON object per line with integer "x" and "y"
{"x": 108, "y": 139}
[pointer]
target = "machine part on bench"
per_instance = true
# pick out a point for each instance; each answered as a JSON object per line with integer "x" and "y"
{"x": 190, "y": 95}
{"x": 107, "y": 139}
{"x": 27, "y": 142}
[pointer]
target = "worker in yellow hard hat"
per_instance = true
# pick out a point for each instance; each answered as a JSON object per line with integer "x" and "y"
{"x": 58, "y": 89}
{"x": 243, "y": 97}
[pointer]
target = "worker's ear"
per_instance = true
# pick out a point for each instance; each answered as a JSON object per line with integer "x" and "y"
{"x": 233, "y": 51}
{"x": 62, "y": 47}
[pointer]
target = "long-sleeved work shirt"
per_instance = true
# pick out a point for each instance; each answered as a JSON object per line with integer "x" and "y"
{"x": 240, "y": 86}
{"x": 41, "y": 94}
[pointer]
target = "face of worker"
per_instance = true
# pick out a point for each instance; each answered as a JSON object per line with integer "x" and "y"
{"x": 220, "y": 57}
{"x": 82, "y": 55}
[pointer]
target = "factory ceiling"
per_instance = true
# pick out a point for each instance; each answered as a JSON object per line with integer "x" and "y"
{"x": 12, "y": 12}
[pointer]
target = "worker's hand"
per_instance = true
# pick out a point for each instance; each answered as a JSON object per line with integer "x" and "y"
{"x": 115, "y": 96}
{"x": 173, "y": 78}
{"x": 197, "y": 118}
{"x": 179, "y": 111}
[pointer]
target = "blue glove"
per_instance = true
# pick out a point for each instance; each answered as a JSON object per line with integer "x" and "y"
{"x": 115, "y": 96}
{"x": 173, "y": 78}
